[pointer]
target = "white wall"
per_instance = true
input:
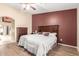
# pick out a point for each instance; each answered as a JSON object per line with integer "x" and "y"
{"x": 21, "y": 19}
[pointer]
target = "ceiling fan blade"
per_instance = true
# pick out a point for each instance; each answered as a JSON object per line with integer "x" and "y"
{"x": 33, "y": 8}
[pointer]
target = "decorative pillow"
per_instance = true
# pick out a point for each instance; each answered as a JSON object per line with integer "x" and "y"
{"x": 46, "y": 33}
{"x": 39, "y": 32}
{"x": 52, "y": 34}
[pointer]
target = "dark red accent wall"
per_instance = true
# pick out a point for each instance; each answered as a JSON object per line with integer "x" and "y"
{"x": 67, "y": 21}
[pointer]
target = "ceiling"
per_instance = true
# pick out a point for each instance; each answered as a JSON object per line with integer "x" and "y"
{"x": 45, "y": 7}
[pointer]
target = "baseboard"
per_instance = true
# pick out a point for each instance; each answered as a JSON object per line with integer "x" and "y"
{"x": 67, "y": 45}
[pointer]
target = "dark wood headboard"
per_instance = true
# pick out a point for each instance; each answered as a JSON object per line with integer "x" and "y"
{"x": 21, "y": 31}
{"x": 49, "y": 28}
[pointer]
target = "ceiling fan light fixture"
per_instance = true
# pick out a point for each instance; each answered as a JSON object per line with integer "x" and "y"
{"x": 27, "y": 6}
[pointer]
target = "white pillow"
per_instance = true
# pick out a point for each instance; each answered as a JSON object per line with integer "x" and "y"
{"x": 45, "y": 32}
{"x": 52, "y": 34}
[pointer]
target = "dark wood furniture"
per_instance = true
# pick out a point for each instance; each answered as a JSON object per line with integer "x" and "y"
{"x": 50, "y": 28}
{"x": 21, "y": 31}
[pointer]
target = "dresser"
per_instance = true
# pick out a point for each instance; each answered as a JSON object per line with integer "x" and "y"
{"x": 21, "y": 31}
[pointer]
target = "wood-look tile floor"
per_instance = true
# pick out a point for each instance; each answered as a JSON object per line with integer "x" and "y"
{"x": 13, "y": 50}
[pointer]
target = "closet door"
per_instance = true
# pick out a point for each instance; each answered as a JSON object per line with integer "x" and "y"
{"x": 21, "y": 31}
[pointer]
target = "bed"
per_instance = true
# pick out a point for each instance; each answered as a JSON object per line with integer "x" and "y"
{"x": 40, "y": 44}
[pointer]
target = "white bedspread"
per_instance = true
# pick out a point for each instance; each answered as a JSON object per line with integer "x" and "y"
{"x": 40, "y": 43}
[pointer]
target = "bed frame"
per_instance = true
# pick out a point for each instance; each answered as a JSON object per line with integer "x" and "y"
{"x": 50, "y": 28}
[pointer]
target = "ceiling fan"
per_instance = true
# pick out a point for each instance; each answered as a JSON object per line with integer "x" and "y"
{"x": 27, "y": 6}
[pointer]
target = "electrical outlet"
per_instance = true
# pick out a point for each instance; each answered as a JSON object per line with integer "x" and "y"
{"x": 61, "y": 40}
